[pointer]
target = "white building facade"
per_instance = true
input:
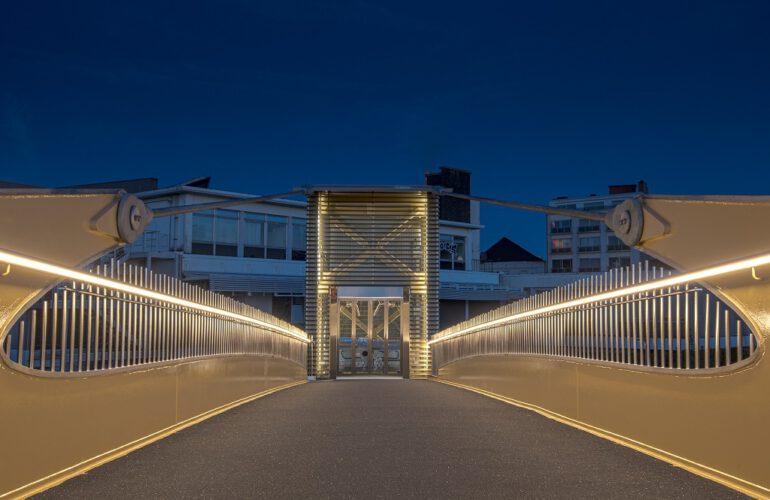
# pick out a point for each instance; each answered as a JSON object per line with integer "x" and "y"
{"x": 588, "y": 246}
{"x": 256, "y": 253}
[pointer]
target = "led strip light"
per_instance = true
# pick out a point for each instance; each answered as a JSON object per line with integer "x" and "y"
{"x": 63, "y": 272}
{"x": 621, "y": 292}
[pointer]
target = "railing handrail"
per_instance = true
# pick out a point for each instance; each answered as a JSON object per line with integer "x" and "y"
{"x": 99, "y": 281}
{"x": 467, "y": 327}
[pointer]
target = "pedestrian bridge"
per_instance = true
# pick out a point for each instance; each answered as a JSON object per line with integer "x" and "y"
{"x": 155, "y": 387}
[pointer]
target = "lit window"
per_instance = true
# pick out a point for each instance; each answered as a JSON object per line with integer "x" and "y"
{"x": 561, "y": 226}
{"x": 452, "y": 252}
{"x": 561, "y": 245}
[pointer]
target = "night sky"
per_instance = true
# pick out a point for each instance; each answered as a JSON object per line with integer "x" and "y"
{"x": 538, "y": 99}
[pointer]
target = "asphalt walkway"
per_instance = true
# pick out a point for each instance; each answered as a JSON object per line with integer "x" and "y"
{"x": 384, "y": 439}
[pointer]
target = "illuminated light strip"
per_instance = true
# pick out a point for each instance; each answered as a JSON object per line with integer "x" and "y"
{"x": 63, "y": 272}
{"x": 621, "y": 292}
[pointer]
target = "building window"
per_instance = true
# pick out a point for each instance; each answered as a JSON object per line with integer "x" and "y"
{"x": 614, "y": 243}
{"x": 594, "y": 206}
{"x": 590, "y": 265}
{"x": 215, "y": 233}
{"x": 591, "y": 244}
{"x": 298, "y": 239}
{"x": 588, "y": 226}
{"x": 561, "y": 266}
{"x": 618, "y": 262}
{"x": 203, "y": 233}
{"x": 561, "y": 245}
{"x": 253, "y": 230}
{"x": 452, "y": 252}
{"x": 226, "y": 233}
{"x": 570, "y": 206}
{"x": 561, "y": 226}
{"x": 276, "y": 237}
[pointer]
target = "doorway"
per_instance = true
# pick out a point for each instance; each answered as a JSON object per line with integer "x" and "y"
{"x": 369, "y": 337}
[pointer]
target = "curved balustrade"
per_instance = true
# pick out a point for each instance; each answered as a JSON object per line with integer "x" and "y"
{"x": 674, "y": 365}
{"x": 670, "y": 327}
{"x": 96, "y": 364}
{"x": 83, "y": 327}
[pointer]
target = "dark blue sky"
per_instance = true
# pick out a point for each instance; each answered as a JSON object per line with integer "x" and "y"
{"x": 537, "y": 99}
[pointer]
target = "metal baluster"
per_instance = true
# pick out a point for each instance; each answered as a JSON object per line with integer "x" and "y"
{"x": 136, "y": 323}
{"x": 706, "y": 331}
{"x": 728, "y": 344}
{"x": 696, "y": 329}
{"x": 63, "y": 343}
{"x": 678, "y": 328}
{"x": 96, "y": 333}
{"x": 125, "y": 311}
{"x": 19, "y": 344}
{"x": 654, "y": 325}
{"x": 670, "y": 331}
{"x": 73, "y": 327}
{"x": 646, "y": 316}
{"x": 739, "y": 340}
{"x": 624, "y": 318}
{"x": 111, "y": 339}
{"x": 717, "y": 307}
{"x": 44, "y": 336}
{"x": 32, "y": 336}
{"x": 687, "y": 326}
{"x": 81, "y": 332}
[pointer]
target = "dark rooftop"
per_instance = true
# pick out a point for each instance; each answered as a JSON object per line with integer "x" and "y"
{"x": 507, "y": 251}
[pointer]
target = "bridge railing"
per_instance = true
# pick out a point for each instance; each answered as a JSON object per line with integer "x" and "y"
{"x": 80, "y": 326}
{"x": 607, "y": 319}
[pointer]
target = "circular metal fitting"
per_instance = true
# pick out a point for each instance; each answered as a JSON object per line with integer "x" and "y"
{"x": 133, "y": 217}
{"x": 627, "y": 221}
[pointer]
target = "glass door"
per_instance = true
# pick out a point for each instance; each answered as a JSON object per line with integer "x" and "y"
{"x": 361, "y": 336}
{"x": 369, "y": 337}
{"x": 393, "y": 322}
{"x": 345, "y": 344}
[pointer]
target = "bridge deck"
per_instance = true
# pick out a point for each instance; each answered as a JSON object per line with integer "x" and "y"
{"x": 385, "y": 438}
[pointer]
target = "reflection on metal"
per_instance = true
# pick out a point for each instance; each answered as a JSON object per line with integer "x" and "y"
{"x": 97, "y": 328}
{"x": 625, "y": 316}
{"x": 70, "y": 400}
{"x": 360, "y": 237}
{"x": 711, "y": 418}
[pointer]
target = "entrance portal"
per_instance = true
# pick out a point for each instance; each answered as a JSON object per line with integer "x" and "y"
{"x": 369, "y": 330}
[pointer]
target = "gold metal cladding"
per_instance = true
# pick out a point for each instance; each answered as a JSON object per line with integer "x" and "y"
{"x": 712, "y": 421}
{"x": 51, "y": 424}
{"x": 373, "y": 239}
